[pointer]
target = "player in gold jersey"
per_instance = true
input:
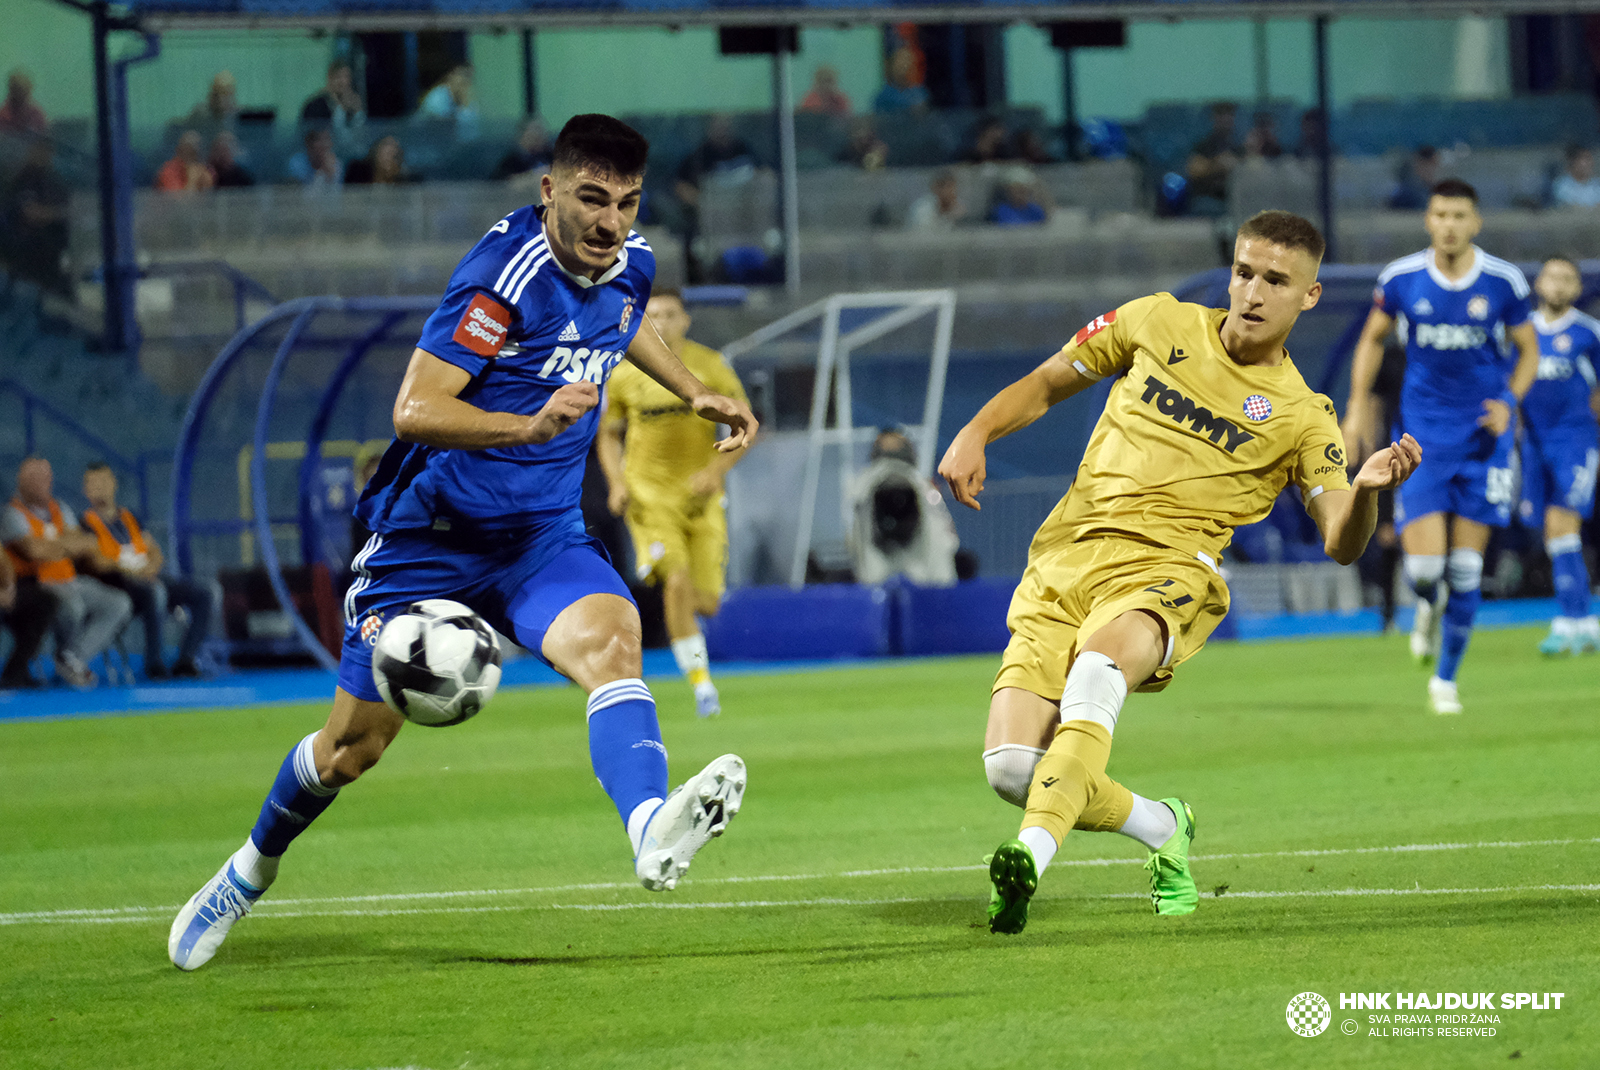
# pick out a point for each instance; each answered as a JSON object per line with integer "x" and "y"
{"x": 666, "y": 477}
{"x": 1208, "y": 423}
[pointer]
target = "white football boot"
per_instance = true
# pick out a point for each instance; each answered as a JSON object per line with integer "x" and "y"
{"x": 1442, "y": 696}
{"x": 203, "y": 923}
{"x": 698, "y": 810}
{"x": 1425, "y": 631}
{"x": 707, "y": 703}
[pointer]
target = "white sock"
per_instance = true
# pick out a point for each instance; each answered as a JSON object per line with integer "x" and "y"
{"x": 253, "y": 867}
{"x": 1095, "y": 691}
{"x": 1563, "y": 626}
{"x": 1041, "y": 843}
{"x": 690, "y": 654}
{"x": 639, "y": 820}
{"x": 1151, "y": 823}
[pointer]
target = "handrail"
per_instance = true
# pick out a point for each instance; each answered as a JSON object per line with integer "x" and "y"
{"x": 137, "y": 467}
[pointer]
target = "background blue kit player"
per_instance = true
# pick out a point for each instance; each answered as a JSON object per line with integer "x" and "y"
{"x": 1561, "y": 450}
{"x": 1471, "y": 355}
{"x": 477, "y": 500}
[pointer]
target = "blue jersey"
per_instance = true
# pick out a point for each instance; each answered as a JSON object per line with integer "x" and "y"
{"x": 523, "y": 327}
{"x": 1568, "y": 349}
{"x": 1457, "y": 352}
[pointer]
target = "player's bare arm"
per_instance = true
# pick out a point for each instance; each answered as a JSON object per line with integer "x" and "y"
{"x": 1347, "y": 518}
{"x": 1014, "y": 408}
{"x": 656, "y": 360}
{"x": 608, "y": 447}
{"x": 1496, "y": 413}
{"x": 1358, "y": 409}
{"x": 428, "y": 410}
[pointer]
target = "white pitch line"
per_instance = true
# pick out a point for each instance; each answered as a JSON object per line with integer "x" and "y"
{"x": 274, "y": 908}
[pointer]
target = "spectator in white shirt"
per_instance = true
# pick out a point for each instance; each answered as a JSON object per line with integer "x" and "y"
{"x": 1577, "y": 186}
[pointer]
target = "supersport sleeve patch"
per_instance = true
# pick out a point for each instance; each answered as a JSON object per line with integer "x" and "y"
{"x": 483, "y": 326}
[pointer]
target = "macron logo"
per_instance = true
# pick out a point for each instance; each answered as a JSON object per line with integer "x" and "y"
{"x": 571, "y": 333}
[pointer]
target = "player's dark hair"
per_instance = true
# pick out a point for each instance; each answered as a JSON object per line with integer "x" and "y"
{"x": 1570, "y": 261}
{"x": 1454, "y": 187}
{"x": 96, "y": 466}
{"x": 602, "y": 143}
{"x": 1286, "y": 229}
{"x": 668, "y": 291}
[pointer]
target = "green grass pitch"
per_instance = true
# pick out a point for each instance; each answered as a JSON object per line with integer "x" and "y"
{"x": 471, "y": 903}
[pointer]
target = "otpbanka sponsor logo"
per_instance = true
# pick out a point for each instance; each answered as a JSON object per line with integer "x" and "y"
{"x": 1416, "y": 1014}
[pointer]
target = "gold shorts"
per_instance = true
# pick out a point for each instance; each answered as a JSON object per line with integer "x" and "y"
{"x": 1071, "y": 591}
{"x": 669, "y": 538}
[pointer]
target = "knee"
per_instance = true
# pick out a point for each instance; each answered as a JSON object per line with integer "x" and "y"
{"x": 1466, "y": 569}
{"x": 604, "y": 651}
{"x": 707, "y": 603}
{"x": 350, "y": 756}
{"x": 1010, "y": 771}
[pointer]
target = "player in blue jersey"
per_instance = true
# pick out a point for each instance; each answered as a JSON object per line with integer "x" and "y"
{"x": 1471, "y": 355}
{"x": 477, "y": 500}
{"x": 1561, "y": 449}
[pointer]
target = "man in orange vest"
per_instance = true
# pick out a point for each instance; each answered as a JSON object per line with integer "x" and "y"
{"x": 136, "y": 570}
{"x": 42, "y": 539}
{"x": 28, "y": 609}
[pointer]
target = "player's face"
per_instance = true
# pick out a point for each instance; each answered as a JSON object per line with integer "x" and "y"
{"x": 100, "y": 486}
{"x": 1558, "y": 284}
{"x": 1270, "y": 287}
{"x": 668, "y": 314}
{"x": 588, "y": 213}
{"x": 1452, "y": 223}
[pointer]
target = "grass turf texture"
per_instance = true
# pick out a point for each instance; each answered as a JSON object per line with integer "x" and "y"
{"x": 1320, "y": 745}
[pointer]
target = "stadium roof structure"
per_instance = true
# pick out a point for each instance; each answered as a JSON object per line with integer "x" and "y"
{"x": 375, "y": 15}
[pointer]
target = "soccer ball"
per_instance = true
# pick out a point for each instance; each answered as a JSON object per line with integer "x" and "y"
{"x": 437, "y": 663}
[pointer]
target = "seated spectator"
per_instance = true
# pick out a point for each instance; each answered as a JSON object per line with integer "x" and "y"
{"x": 336, "y": 105}
{"x": 43, "y": 539}
{"x": 825, "y": 97}
{"x": 1577, "y": 186}
{"x": 532, "y": 153}
{"x": 865, "y": 149}
{"x": 940, "y": 208}
{"x": 1030, "y": 148}
{"x": 1211, "y": 161}
{"x": 1415, "y": 179}
{"x": 989, "y": 144}
{"x": 1310, "y": 145}
{"x": 220, "y": 109}
{"x": 224, "y": 161}
{"x": 451, "y": 100}
{"x": 28, "y": 610}
{"x": 901, "y": 92}
{"x": 1262, "y": 139}
{"x": 384, "y": 165}
{"x": 136, "y": 570}
{"x": 19, "y": 114}
{"x": 35, "y": 214}
{"x": 186, "y": 172}
{"x": 1021, "y": 202}
{"x": 317, "y": 165}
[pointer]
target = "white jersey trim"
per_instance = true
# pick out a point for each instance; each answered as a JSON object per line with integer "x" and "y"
{"x": 1504, "y": 269}
{"x": 529, "y": 250}
{"x": 1404, "y": 266}
{"x": 1554, "y": 326}
{"x": 1465, "y": 281}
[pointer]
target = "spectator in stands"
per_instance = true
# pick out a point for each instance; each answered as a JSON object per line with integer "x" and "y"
{"x": 220, "y": 109}
{"x": 989, "y": 144}
{"x": 317, "y": 166}
{"x": 34, "y": 220}
{"x": 940, "y": 208}
{"x": 531, "y": 155}
{"x": 28, "y": 609}
{"x": 451, "y": 101}
{"x": 1310, "y": 134}
{"x": 136, "y": 570}
{"x": 825, "y": 97}
{"x": 864, "y": 149}
{"x": 1021, "y": 201}
{"x": 336, "y": 105}
{"x": 901, "y": 91}
{"x": 1577, "y": 186}
{"x": 1211, "y": 162}
{"x": 223, "y": 159}
{"x": 1262, "y": 139}
{"x": 384, "y": 165}
{"x": 1031, "y": 149}
{"x": 186, "y": 172}
{"x": 44, "y": 540}
{"x": 19, "y": 114}
{"x": 1415, "y": 180}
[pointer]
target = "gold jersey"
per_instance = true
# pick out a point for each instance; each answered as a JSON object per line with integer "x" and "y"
{"x": 1191, "y": 445}
{"x": 666, "y": 441}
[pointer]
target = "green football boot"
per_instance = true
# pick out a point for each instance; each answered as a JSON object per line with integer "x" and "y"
{"x": 1015, "y": 878}
{"x": 1558, "y": 643}
{"x": 1172, "y": 889}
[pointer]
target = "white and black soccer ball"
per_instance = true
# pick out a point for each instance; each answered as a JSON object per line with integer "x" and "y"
{"x": 437, "y": 663}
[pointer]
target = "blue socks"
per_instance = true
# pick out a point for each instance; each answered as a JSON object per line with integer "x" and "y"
{"x": 1466, "y": 579}
{"x": 297, "y": 797}
{"x": 1571, "y": 577}
{"x": 626, "y": 750}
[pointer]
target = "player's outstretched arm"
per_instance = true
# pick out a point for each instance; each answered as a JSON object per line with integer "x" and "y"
{"x": 652, "y": 356}
{"x": 1014, "y": 408}
{"x": 608, "y": 447}
{"x": 1358, "y": 427}
{"x": 1346, "y": 518}
{"x": 1496, "y": 413}
{"x": 428, "y": 411}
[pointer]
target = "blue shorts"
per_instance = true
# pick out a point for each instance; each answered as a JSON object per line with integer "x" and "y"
{"x": 1477, "y": 483}
{"x": 518, "y": 583}
{"x": 1558, "y": 468}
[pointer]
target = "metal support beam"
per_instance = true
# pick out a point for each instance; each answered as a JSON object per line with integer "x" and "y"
{"x": 115, "y": 166}
{"x": 788, "y": 168}
{"x": 1324, "y": 148}
{"x": 530, "y": 76}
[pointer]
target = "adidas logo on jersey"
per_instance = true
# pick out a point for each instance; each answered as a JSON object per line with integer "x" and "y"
{"x": 1174, "y": 403}
{"x": 571, "y": 333}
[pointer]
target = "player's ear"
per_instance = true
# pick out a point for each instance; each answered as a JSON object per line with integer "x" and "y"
{"x": 1313, "y": 295}
{"x": 547, "y": 188}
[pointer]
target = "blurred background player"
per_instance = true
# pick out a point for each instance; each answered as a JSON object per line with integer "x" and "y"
{"x": 665, "y": 474}
{"x": 1460, "y": 312}
{"x": 1209, "y": 423}
{"x": 1561, "y": 449}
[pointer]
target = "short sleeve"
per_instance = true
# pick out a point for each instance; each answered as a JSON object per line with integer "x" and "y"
{"x": 1105, "y": 346}
{"x": 1386, "y": 297}
{"x": 1320, "y": 463}
{"x": 1519, "y": 309}
{"x": 468, "y": 328}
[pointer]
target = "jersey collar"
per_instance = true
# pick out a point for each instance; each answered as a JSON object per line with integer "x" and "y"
{"x": 1456, "y": 284}
{"x": 583, "y": 282}
{"x": 1555, "y": 326}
